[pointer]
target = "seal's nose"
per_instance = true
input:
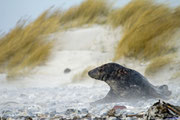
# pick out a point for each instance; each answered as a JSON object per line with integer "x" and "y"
{"x": 90, "y": 73}
{"x": 93, "y": 73}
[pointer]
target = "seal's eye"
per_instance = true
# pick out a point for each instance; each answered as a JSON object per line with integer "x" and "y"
{"x": 125, "y": 71}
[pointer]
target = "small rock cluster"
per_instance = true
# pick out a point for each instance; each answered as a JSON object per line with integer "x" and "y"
{"x": 158, "y": 111}
{"x": 73, "y": 114}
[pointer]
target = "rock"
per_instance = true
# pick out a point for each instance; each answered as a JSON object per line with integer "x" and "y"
{"x": 4, "y": 118}
{"x": 112, "y": 118}
{"x": 84, "y": 111}
{"x": 111, "y": 112}
{"x": 52, "y": 114}
{"x": 28, "y": 118}
{"x": 43, "y": 119}
{"x": 67, "y": 70}
{"x": 76, "y": 118}
{"x": 9, "y": 119}
{"x": 71, "y": 111}
{"x": 116, "y": 111}
{"x": 88, "y": 116}
{"x": 119, "y": 107}
{"x": 96, "y": 118}
{"x": 57, "y": 118}
{"x": 41, "y": 115}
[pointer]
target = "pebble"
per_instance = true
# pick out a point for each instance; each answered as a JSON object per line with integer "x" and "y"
{"x": 67, "y": 70}
{"x": 112, "y": 118}
{"x": 84, "y": 111}
{"x": 28, "y": 118}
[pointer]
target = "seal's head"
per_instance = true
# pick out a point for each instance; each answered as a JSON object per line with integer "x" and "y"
{"x": 108, "y": 71}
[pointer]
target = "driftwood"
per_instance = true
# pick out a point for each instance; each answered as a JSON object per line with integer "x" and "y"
{"x": 175, "y": 109}
{"x": 136, "y": 115}
{"x": 162, "y": 110}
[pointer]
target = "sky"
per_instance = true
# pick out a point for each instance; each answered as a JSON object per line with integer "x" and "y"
{"x": 13, "y": 10}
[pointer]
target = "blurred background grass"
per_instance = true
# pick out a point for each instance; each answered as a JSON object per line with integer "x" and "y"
{"x": 88, "y": 12}
{"x": 147, "y": 32}
{"x": 158, "y": 63}
{"x": 25, "y": 45}
{"x": 148, "y": 28}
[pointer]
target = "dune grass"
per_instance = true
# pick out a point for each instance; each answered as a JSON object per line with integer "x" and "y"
{"x": 176, "y": 75}
{"x": 177, "y": 12}
{"x": 120, "y": 16}
{"x": 88, "y": 12}
{"x": 25, "y": 45}
{"x": 146, "y": 29}
{"x": 158, "y": 63}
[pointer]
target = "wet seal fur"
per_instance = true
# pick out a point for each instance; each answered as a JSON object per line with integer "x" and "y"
{"x": 126, "y": 84}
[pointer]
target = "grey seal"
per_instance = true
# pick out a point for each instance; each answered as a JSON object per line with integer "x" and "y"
{"x": 127, "y": 84}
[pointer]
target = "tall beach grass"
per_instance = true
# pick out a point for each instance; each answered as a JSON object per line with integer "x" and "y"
{"x": 158, "y": 63}
{"x": 148, "y": 28}
{"x": 88, "y": 12}
{"x": 26, "y": 45}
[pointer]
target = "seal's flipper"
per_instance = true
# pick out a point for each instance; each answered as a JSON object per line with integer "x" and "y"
{"x": 164, "y": 90}
{"x": 163, "y": 87}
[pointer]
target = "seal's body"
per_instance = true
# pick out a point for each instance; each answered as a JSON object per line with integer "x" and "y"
{"x": 127, "y": 84}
